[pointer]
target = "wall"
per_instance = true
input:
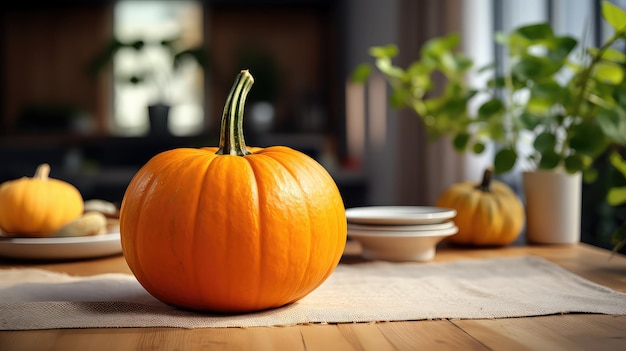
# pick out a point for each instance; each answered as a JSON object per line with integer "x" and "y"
{"x": 46, "y": 54}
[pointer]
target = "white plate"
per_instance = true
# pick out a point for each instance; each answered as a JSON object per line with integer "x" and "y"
{"x": 396, "y": 215}
{"x": 61, "y": 248}
{"x": 401, "y": 228}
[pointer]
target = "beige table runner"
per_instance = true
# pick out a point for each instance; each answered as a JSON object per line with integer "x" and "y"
{"x": 365, "y": 292}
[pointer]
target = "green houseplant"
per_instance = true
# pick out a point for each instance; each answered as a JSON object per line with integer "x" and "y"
{"x": 157, "y": 65}
{"x": 571, "y": 107}
{"x": 557, "y": 105}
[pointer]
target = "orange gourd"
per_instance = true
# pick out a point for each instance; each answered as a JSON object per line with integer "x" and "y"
{"x": 232, "y": 229}
{"x": 488, "y": 214}
{"x": 38, "y": 206}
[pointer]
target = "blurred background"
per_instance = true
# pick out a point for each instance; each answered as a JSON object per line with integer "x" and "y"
{"x": 95, "y": 88}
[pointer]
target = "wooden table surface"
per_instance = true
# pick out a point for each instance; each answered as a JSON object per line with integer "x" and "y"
{"x": 558, "y": 332}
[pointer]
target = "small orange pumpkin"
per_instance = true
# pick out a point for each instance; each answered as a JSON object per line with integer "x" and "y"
{"x": 38, "y": 206}
{"x": 232, "y": 229}
{"x": 488, "y": 214}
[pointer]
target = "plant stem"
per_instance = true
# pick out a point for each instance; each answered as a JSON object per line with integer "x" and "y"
{"x": 485, "y": 184}
{"x": 42, "y": 172}
{"x": 231, "y": 129}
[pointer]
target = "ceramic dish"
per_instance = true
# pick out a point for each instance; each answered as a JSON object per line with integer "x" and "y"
{"x": 400, "y": 246}
{"x": 61, "y": 248}
{"x": 402, "y": 228}
{"x": 395, "y": 215}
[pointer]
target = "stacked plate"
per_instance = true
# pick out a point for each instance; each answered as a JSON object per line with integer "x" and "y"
{"x": 400, "y": 233}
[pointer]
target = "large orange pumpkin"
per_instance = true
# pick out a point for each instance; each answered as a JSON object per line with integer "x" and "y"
{"x": 38, "y": 206}
{"x": 488, "y": 214}
{"x": 232, "y": 229}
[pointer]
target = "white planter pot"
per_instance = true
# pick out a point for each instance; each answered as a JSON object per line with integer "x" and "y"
{"x": 553, "y": 207}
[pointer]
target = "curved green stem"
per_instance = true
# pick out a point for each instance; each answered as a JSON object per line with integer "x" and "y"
{"x": 231, "y": 129}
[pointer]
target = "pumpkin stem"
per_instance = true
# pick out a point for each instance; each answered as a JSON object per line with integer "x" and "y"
{"x": 42, "y": 172}
{"x": 485, "y": 185}
{"x": 231, "y": 129}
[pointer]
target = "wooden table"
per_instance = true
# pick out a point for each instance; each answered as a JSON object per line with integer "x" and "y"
{"x": 559, "y": 332}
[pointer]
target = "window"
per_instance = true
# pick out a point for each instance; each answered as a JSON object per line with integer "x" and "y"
{"x": 182, "y": 89}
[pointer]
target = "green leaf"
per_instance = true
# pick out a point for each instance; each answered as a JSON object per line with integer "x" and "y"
{"x": 418, "y": 76}
{"x": 388, "y": 51}
{"x": 454, "y": 89}
{"x": 609, "y": 72}
{"x": 561, "y": 47}
{"x": 529, "y": 67}
{"x": 529, "y": 120}
{"x": 543, "y": 95}
{"x": 398, "y": 98}
{"x": 504, "y": 160}
{"x": 478, "y": 148}
{"x": 387, "y": 68}
{"x": 491, "y": 108}
{"x": 419, "y": 69}
{"x": 612, "y": 122}
{"x": 616, "y": 196}
{"x": 460, "y": 141}
{"x": 535, "y": 32}
{"x": 573, "y": 164}
{"x": 539, "y": 106}
{"x": 440, "y": 45}
{"x": 535, "y": 67}
{"x": 590, "y": 175}
{"x": 587, "y": 138}
{"x": 462, "y": 63}
{"x": 549, "y": 160}
{"x": 618, "y": 162}
{"x": 455, "y": 106}
{"x": 361, "y": 73}
{"x": 614, "y": 15}
{"x": 545, "y": 142}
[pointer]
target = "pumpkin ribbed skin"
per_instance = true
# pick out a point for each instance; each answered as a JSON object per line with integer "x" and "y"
{"x": 230, "y": 233}
{"x": 38, "y": 206}
{"x": 489, "y": 214}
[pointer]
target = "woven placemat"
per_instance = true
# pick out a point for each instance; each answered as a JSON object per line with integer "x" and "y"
{"x": 364, "y": 292}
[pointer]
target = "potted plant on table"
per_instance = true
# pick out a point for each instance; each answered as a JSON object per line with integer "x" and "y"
{"x": 552, "y": 110}
{"x": 157, "y": 64}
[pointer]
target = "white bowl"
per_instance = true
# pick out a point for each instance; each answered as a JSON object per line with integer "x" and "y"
{"x": 399, "y": 246}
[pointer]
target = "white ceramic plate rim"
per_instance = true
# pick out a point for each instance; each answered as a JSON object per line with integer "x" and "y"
{"x": 398, "y": 214}
{"x": 61, "y": 248}
{"x": 401, "y": 228}
{"x": 397, "y": 234}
